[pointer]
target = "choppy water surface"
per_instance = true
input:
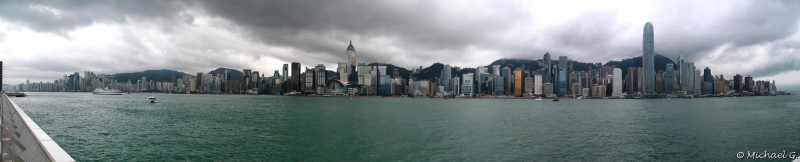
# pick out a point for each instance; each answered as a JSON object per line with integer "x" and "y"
{"x": 278, "y": 128}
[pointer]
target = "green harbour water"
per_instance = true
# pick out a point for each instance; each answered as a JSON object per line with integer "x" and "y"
{"x": 280, "y": 128}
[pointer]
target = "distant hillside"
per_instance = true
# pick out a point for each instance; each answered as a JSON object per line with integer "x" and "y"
{"x": 434, "y": 71}
{"x": 514, "y": 63}
{"x": 233, "y": 74}
{"x": 163, "y": 75}
{"x": 534, "y": 64}
{"x": 390, "y": 69}
{"x": 660, "y": 63}
{"x": 428, "y": 73}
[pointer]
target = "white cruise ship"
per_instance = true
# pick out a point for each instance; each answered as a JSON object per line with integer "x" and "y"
{"x": 106, "y": 91}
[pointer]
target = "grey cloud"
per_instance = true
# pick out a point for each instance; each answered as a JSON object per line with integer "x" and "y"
{"x": 427, "y": 31}
{"x": 413, "y": 23}
{"x": 746, "y": 24}
{"x": 84, "y": 12}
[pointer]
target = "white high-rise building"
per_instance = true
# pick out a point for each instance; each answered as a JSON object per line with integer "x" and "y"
{"x": 528, "y": 86}
{"x": 343, "y": 73}
{"x": 455, "y": 86}
{"x": 537, "y": 84}
{"x": 496, "y": 70}
{"x": 617, "y": 83}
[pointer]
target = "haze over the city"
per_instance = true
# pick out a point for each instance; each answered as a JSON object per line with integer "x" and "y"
{"x": 42, "y": 41}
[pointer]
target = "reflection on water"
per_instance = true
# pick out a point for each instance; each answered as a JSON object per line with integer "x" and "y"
{"x": 277, "y": 128}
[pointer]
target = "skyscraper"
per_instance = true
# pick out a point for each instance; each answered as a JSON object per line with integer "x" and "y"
{"x": 617, "y": 83}
{"x": 342, "y": 71}
{"x": 687, "y": 77}
{"x": 285, "y": 79}
{"x": 466, "y": 86}
{"x": 698, "y": 82}
{"x": 737, "y": 83}
{"x": 648, "y": 48}
{"x": 247, "y": 75}
{"x": 479, "y": 80}
{"x": 518, "y": 82}
{"x": 496, "y": 70}
{"x": 528, "y": 86}
{"x": 506, "y": 74}
{"x": 690, "y": 75}
{"x": 563, "y": 62}
{"x": 546, "y": 65}
{"x": 295, "y": 80}
{"x": 562, "y": 81}
{"x": 708, "y": 82}
{"x": 445, "y": 77}
{"x": 285, "y": 76}
{"x": 679, "y": 70}
{"x": 320, "y": 76}
{"x": 352, "y": 76}
{"x": 669, "y": 79}
{"x": 1, "y": 76}
{"x": 537, "y": 84}
{"x": 199, "y": 81}
{"x": 498, "y": 85}
{"x": 351, "y": 56}
{"x": 308, "y": 81}
{"x": 748, "y": 83}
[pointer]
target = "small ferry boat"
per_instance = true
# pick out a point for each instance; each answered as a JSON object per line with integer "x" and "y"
{"x": 556, "y": 99}
{"x": 106, "y": 91}
{"x": 151, "y": 99}
{"x": 16, "y": 94}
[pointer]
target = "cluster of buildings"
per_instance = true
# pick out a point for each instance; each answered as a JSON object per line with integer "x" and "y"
{"x": 553, "y": 78}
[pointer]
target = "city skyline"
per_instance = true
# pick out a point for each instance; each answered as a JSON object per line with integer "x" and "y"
{"x": 43, "y": 40}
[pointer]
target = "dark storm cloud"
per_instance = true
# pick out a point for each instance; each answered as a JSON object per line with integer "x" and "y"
{"x": 417, "y": 24}
{"x": 56, "y": 16}
{"x": 414, "y": 33}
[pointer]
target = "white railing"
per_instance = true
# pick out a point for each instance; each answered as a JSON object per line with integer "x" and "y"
{"x": 23, "y": 139}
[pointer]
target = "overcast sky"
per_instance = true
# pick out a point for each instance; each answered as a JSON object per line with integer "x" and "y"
{"x": 42, "y": 41}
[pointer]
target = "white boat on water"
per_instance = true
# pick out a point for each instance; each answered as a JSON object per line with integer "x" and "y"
{"x": 151, "y": 99}
{"x": 106, "y": 91}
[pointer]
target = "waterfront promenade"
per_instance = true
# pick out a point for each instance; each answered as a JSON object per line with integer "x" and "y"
{"x": 23, "y": 139}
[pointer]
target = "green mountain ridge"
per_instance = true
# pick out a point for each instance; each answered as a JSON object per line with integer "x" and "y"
{"x": 428, "y": 73}
{"x": 162, "y": 75}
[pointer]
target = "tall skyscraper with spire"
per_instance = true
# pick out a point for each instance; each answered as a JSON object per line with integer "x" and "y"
{"x": 351, "y": 63}
{"x": 648, "y": 46}
{"x": 351, "y": 55}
